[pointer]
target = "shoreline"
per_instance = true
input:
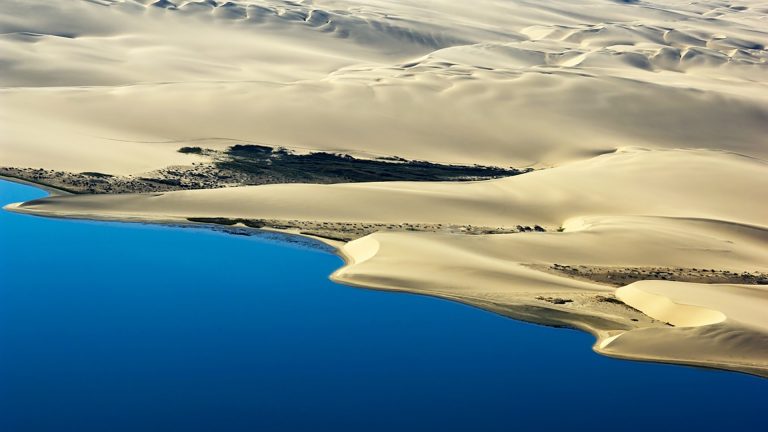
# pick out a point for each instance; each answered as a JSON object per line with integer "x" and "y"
{"x": 52, "y": 190}
{"x": 567, "y": 320}
{"x": 522, "y": 306}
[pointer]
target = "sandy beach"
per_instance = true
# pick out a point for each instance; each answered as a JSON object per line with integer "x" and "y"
{"x": 645, "y": 125}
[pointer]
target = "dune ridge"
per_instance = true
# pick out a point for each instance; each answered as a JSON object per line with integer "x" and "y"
{"x": 632, "y": 181}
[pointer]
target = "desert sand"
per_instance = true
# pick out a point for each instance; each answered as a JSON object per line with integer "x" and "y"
{"x": 498, "y": 82}
{"x": 715, "y": 324}
{"x": 647, "y": 123}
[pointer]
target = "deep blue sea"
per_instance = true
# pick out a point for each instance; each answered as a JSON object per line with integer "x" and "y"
{"x": 115, "y": 327}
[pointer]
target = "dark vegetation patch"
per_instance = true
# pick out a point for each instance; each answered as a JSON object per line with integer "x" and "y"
{"x": 555, "y": 300}
{"x": 526, "y": 228}
{"x": 606, "y": 299}
{"x": 96, "y": 174}
{"x": 252, "y": 223}
{"x": 322, "y": 167}
{"x": 248, "y": 164}
{"x": 346, "y": 231}
{"x": 619, "y": 276}
{"x": 191, "y": 150}
{"x": 216, "y": 221}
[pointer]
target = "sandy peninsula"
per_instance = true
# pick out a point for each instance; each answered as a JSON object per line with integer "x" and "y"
{"x": 521, "y": 274}
{"x": 600, "y": 165}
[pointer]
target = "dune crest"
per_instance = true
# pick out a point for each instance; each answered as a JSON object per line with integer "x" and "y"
{"x": 664, "y": 309}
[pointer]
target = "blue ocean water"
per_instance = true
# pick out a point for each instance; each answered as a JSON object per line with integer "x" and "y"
{"x": 124, "y": 327}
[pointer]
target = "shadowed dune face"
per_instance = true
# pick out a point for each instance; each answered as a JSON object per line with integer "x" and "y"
{"x": 495, "y": 82}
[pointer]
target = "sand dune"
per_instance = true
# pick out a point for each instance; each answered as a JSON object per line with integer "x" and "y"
{"x": 514, "y": 83}
{"x": 717, "y": 324}
{"x": 673, "y": 183}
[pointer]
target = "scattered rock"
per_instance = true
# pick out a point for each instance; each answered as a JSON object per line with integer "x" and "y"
{"x": 555, "y": 300}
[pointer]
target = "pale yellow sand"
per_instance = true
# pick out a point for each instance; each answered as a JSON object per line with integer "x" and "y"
{"x": 673, "y": 183}
{"x": 501, "y": 82}
{"x": 719, "y": 324}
